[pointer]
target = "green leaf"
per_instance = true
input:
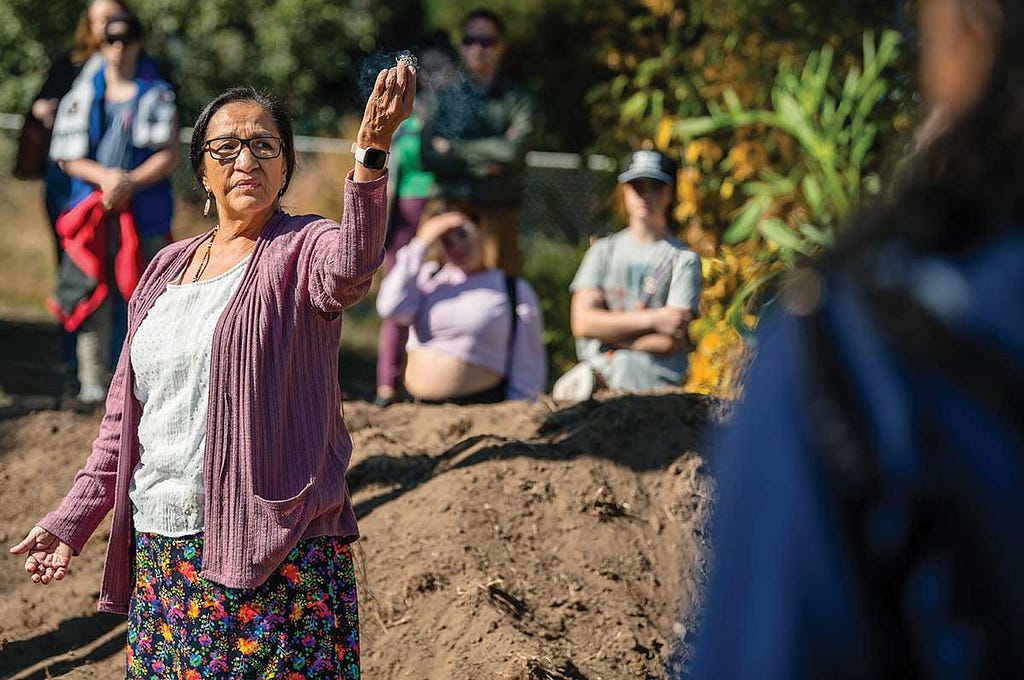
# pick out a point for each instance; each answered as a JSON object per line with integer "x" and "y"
{"x": 743, "y": 226}
{"x": 886, "y": 53}
{"x": 869, "y": 50}
{"x": 862, "y": 146}
{"x": 852, "y": 83}
{"x": 738, "y": 305}
{"x": 814, "y": 197}
{"x": 766, "y": 189}
{"x": 618, "y": 86}
{"x": 635, "y": 107}
{"x": 657, "y": 105}
{"x": 690, "y": 128}
{"x": 795, "y": 121}
{"x": 871, "y": 98}
{"x": 823, "y": 237}
{"x": 647, "y": 69}
{"x": 778, "y": 231}
{"x": 732, "y": 101}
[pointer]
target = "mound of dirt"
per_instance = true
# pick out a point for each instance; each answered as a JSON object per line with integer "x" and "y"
{"x": 504, "y": 541}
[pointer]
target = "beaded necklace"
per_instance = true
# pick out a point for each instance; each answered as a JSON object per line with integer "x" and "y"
{"x": 206, "y": 256}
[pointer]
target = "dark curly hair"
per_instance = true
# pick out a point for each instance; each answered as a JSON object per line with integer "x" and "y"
{"x": 270, "y": 103}
{"x": 966, "y": 186}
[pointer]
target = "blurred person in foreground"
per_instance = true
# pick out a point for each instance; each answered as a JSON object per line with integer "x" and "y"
{"x": 115, "y": 135}
{"x": 871, "y": 518}
{"x": 475, "y": 331}
{"x": 223, "y": 451}
{"x": 635, "y": 292}
{"x": 475, "y": 138}
{"x": 410, "y": 187}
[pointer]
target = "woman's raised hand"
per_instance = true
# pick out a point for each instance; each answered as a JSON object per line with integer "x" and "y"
{"x": 390, "y": 103}
{"x": 48, "y": 556}
{"x": 433, "y": 229}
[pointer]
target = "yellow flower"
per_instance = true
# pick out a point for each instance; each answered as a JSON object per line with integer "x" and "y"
{"x": 663, "y": 136}
{"x": 247, "y": 647}
{"x": 705, "y": 149}
{"x": 727, "y": 190}
{"x": 746, "y": 158}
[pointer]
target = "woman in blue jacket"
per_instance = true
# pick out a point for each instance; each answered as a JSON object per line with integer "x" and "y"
{"x": 115, "y": 135}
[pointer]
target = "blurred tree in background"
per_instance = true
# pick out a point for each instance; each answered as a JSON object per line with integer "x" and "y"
{"x": 310, "y": 52}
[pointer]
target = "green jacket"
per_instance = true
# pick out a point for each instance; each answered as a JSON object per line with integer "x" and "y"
{"x": 488, "y": 128}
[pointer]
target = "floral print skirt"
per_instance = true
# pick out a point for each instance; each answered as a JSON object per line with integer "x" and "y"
{"x": 301, "y": 623}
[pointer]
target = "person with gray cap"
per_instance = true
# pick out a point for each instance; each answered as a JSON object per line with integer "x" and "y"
{"x": 635, "y": 292}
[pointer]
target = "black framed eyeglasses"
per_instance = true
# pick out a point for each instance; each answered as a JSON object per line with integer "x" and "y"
{"x": 228, "y": 148}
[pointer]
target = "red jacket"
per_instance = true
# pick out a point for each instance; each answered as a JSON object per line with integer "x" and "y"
{"x": 83, "y": 234}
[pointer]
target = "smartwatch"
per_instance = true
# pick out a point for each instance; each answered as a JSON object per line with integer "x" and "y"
{"x": 371, "y": 158}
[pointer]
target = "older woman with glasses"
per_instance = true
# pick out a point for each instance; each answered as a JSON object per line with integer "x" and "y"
{"x": 223, "y": 452}
{"x": 475, "y": 333}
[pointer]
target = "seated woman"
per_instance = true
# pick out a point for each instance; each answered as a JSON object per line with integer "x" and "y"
{"x": 465, "y": 345}
{"x": 635, "y": 292}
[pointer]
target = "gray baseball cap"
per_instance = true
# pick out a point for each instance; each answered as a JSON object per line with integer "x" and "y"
{"x": 650, "y": 164}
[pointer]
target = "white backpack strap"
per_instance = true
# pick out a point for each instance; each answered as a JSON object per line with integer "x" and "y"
{"x": 154, "y": 126}
{"x": 71, "y": 126}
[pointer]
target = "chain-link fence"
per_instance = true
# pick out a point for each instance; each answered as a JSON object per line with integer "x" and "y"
{"x": 566, "y": 196}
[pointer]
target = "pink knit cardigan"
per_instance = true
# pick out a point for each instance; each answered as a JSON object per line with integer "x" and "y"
{"x": 276, "y": 447}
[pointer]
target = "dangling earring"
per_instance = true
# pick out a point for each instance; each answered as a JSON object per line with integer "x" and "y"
{"x": 209, "y": 204}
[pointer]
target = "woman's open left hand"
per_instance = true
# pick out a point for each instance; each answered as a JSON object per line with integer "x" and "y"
{"x": 390, "y": 103}
{"x": 48, "y": 556}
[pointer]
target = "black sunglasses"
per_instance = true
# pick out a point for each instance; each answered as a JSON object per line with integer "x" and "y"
{"x": 484, "y": 41}
{"x": 126, "y": 40}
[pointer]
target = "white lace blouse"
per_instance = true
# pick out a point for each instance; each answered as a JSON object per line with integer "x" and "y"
{"x": 170, "y": 356}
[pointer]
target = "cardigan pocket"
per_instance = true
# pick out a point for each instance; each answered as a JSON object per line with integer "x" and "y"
{"x": 289, "y": 511}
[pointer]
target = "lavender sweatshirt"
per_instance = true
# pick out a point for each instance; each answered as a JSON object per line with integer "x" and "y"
{"x": 276, "y": 446}
{"x": 467, "y": 317}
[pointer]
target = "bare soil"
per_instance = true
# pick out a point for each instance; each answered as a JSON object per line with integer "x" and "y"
{"x": 504, "y": 541}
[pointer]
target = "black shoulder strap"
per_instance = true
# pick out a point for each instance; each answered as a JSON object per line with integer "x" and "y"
{"x": 513, "y": 302}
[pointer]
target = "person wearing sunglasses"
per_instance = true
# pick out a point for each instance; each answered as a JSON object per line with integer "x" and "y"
{"x": 33, "y": 161}
{"x": 223, "y": 451}
{"x": 475, "y": 136}
{"x": 475, "y": 333}
{"x": 115, "y": 135}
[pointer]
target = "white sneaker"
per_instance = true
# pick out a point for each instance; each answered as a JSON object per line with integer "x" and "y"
{"x": 576, "y": 385}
